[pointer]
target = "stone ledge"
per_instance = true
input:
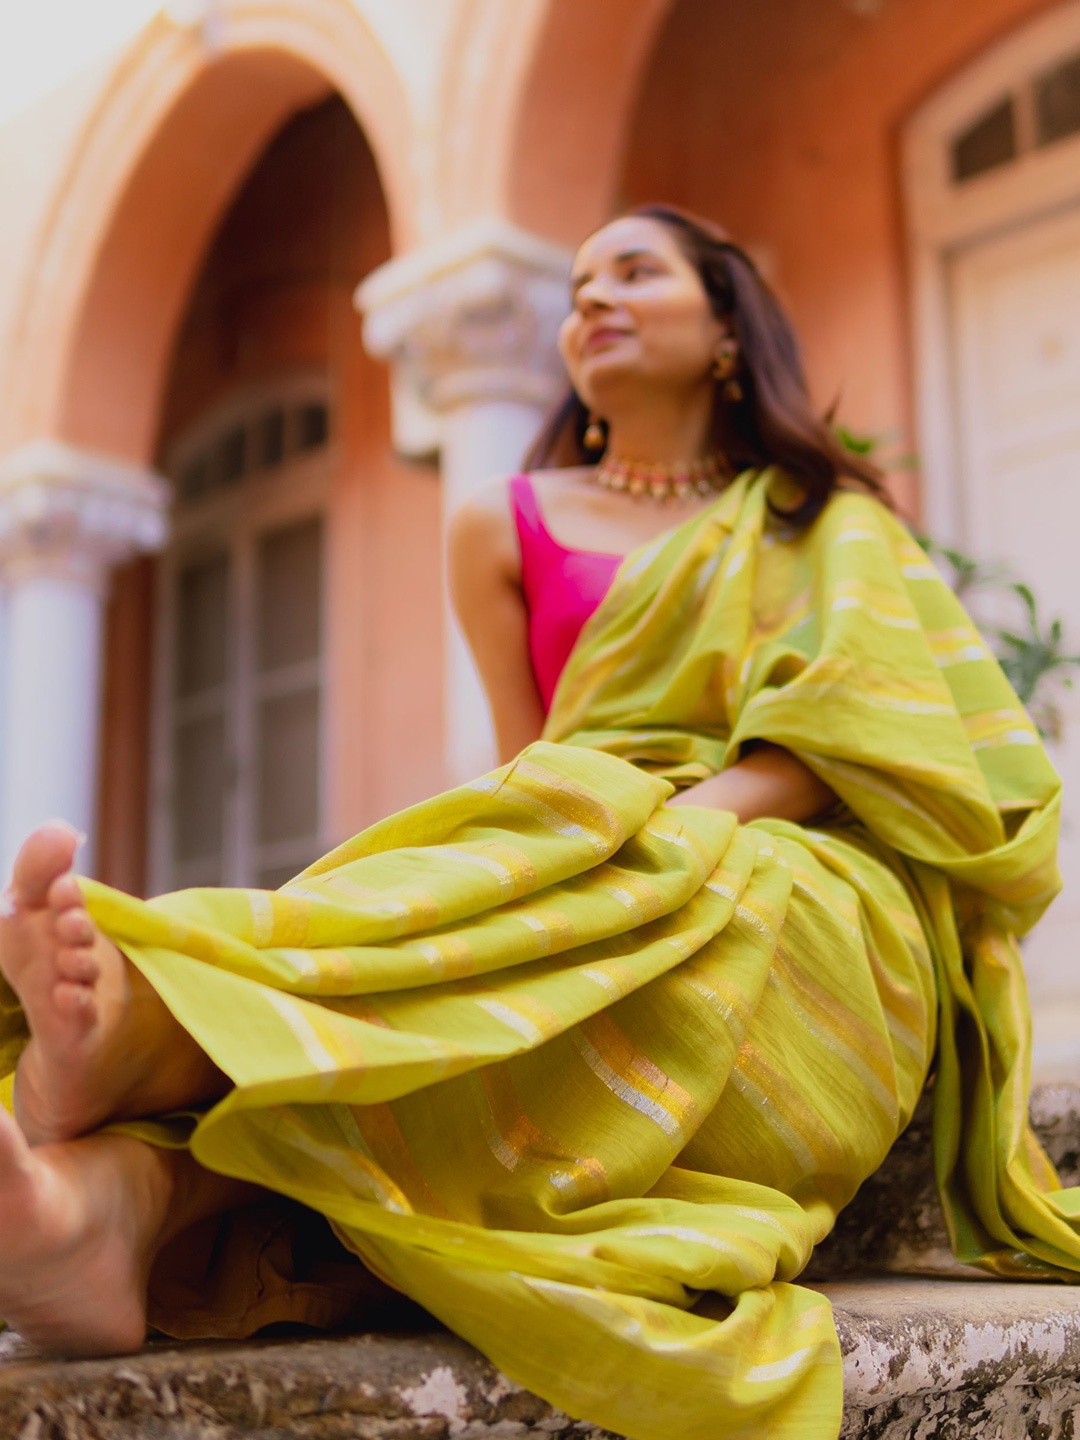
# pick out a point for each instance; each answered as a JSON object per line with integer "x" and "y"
{"x": 429, "y": 1386}
{"x": 923, "y": 1360}
{"x": 949, "y": 1359}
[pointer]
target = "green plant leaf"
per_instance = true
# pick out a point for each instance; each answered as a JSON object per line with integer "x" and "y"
{"x": 1033, "y": 662}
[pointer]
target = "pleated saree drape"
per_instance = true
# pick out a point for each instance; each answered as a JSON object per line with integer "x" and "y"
{"x": 588, "y": 1076}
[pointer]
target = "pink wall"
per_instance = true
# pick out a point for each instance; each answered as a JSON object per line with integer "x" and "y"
{"x": 781, "y": 119}
{"x": 275, "y": 294}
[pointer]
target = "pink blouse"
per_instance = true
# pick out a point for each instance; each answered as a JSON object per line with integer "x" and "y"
{"x": 562, "y": 587}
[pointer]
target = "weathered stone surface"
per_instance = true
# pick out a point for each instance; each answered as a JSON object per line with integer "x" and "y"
{"x": 923, "y": 1360}
{"x": 428, "y": 1386}
{"x": 949, "y": 1360}
{"x": 894, "y": 1224}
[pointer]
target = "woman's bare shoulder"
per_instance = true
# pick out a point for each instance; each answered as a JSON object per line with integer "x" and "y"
{"x": 487, "y": 511}
{"x": 486, "y": 507}
{"x": 481, "y": 527}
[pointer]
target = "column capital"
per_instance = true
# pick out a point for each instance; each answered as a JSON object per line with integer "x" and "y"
{"x": 471, "y": 318}
{"x": 73, "y": 514}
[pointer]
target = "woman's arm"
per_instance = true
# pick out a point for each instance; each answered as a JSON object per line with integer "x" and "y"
{"x": 769, "y": 781}
{"x": 484, "y": 577}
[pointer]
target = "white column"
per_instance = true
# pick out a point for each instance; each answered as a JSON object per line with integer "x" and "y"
{"x": 469, "y": 326}
{"x": 66, "y": 517}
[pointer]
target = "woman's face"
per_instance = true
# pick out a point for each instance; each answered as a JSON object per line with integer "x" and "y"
{"x": 639, "y": 312}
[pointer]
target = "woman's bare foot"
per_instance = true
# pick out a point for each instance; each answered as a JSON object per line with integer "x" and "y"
{"x": 79, "y": 1226}
{"x": 103, "y": 1045}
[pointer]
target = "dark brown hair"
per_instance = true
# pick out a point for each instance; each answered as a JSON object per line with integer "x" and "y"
{"x": 774, "y": 423}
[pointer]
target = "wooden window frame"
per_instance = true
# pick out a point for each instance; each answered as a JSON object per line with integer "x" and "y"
{"x": 233, "y": 520}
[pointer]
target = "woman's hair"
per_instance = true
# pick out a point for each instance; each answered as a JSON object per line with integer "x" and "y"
{"x": 774, "y": 423}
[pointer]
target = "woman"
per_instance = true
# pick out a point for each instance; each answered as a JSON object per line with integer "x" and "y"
{"x": 585, "y": 1056}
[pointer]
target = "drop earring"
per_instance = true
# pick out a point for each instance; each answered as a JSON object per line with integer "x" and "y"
{"x": 595, "y": 437}
{"x": 724, "y": 367}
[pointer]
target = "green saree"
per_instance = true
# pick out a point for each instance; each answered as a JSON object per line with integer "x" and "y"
{"x": 587, "y": 1076}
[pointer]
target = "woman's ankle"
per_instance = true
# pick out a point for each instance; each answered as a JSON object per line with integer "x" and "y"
{"x": 196, "y": 1193}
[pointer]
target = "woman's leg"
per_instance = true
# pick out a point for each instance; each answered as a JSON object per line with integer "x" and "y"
{"x": 80, "y": 1225}
{"x": 103, "y": 1045}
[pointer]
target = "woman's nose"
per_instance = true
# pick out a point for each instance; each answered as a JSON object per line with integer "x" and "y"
{"x": 595, "y": 294}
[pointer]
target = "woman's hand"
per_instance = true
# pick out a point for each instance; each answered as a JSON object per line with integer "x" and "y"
{"x": 769, "y": 781}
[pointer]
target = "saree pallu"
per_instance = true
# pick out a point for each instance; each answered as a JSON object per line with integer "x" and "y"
{"x": 588, "y": 1076}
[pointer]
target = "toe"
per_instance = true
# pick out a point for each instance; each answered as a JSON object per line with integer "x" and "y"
{"x": 43, "y": 858}
{"x": 74, "y": 1001}
{"x": 77, "y": 963}
{"x": 74, "y": 927}
{"x": 64, "y": 892}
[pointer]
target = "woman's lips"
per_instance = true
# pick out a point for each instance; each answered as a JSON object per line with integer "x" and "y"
{"x": 606, "y": 336}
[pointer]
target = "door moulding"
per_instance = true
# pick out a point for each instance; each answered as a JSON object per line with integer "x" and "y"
{"x": 942, "y": 216}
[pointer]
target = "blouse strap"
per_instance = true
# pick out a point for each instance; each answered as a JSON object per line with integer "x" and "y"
{"x": 525, "y": 505}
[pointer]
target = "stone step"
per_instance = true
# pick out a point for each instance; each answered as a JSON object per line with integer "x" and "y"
{"x": 894, "y": 1224}
{"x": 955, "y": 1360}
{"x": 923, "y": 1360}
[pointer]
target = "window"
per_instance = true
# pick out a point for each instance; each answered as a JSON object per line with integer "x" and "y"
{"x": 200, "y": 719}
{"x": 1042, "y": 110}
{"x": 1057, "y": 102}
{"x": 990, "y": 142}
{"x": 232, "y": 453}
{"x": 264, "y": 440}
{"x": 272, "y": 438}
{"x": 314, "y": 426}
{"x": 240, "y": 694}
{"x": 288, "y": 644}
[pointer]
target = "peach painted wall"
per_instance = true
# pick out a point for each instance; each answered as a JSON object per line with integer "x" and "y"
{"x": 31, "y": 144}
{"x": 275, "y": 294}
{"x": 781, "y": 119}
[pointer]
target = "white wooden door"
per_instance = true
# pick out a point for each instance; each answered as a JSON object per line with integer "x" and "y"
{"x": 1016, "y": 314}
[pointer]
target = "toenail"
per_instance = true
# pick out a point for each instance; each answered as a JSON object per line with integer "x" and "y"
{"x": 80, "y": 836}
{"x": 8, "y": 905}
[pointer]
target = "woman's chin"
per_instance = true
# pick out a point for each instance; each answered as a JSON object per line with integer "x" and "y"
{"x": 606, "y": 373}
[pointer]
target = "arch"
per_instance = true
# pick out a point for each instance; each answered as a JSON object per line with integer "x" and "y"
{"x": 545, "y": 134}
{"x": 176, "y": 129}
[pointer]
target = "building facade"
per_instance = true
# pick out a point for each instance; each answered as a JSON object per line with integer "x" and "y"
{"x": 279, "y": 284}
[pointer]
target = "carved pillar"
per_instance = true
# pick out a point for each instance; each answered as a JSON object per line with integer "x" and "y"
{"x": 469, "y": 327}
{"x": 66, "y": 518}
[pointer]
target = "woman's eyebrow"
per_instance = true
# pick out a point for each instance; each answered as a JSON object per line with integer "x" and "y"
{"x": 576, "y": 281}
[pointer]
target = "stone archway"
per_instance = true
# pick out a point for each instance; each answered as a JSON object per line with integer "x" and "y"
{"x": 539, "y": 97}
{"x": 153, "y": 170}
{"x": 574, "y": 111}
{"x": 142, "y": 189}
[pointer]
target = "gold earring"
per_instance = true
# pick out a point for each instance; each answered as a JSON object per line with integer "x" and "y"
{"x": 595, "y": 437}
{"x": 724, "y": 362}
{"x": 724, "y": 367}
